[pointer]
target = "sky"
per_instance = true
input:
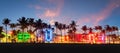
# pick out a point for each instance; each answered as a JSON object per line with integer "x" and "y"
{"x": 84, "y": 12}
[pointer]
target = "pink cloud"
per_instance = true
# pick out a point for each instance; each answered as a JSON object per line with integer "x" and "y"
{"x": 36, "y": 7}
{"x": 95, "y": 19}
{"x": 51, "y": 12}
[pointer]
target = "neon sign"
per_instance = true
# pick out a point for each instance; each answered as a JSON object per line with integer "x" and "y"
{"x": 5, "y": 34}
{"x": 48, "y": 35}
{"x": 23, "y": 37}
{"x": 100, "y": 38}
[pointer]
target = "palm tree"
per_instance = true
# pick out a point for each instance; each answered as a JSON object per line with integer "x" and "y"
{"x": 49, "y": 26}
{"x": 64, "y": 27}
{"x": 1, "y": 28}
{"x": 108, "y": 29}
{"x": 60, "y": 28}
{"x": 73, "y": 24}
{"x": 70, "y": 33}
{"x": 12, "y": 25}
{"x": 113, "y": 29}
{"x": 90, "y": 30}
{"x": 114, "y": 35}
{"x": 116, "y": 28}
{"x": 23, "y": 23}
{"x": 98, "y": 28}
{"x": 74, "y": 31}
{"x": 44, "y": 25}
{"x": 30, "y": 22}
{"x": 38, "y": 26}
{"x": 56, "y": 25}
{"x": 103, "y": 31}
{"x": 1, "y": 35}
{"x": 6, "y": 21}
{"x": 73, "y": 28}
{"x": 84, "y": 28}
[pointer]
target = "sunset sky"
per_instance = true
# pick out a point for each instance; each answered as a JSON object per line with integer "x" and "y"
{"x": 84, "y": 12}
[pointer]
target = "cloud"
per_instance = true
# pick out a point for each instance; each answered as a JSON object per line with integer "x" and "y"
{"x": 54, "y": 12}
{"x": 50, "y": 13}
{"x": 36, "y": 7}
{"x": 50, "y": 9}
{"x": 95, "y": 19}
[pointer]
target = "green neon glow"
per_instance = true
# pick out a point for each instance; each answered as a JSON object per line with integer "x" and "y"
{"x": 23, "y": 36}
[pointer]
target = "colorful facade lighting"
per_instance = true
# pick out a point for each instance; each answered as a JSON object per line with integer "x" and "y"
{"x": 48, "y": 35}
{"x": 23, "y": 36}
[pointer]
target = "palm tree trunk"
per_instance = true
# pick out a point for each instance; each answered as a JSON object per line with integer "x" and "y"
{"x": 6, "y": 34}
{"x": 27, "y": 29}
{"x": 30, "y": 27}
{"x": 30, "y": 33}
{"x": 74, "y": 37}
{"x": 56, "y": 30}
{"x": 23, "y": 36}
{"x": 61, "y": 35}
{"x": 22, "y": 30}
